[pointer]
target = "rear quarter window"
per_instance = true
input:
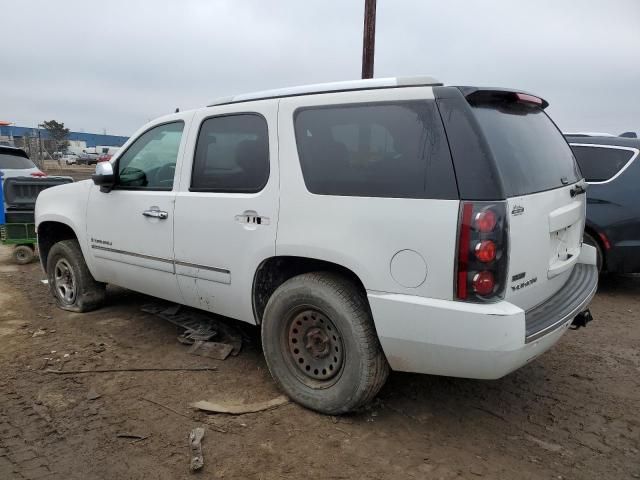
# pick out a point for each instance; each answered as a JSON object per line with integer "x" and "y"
{"x": 387, "y": 149}
{"x": 530, "y": 152}
{"x": 599, "y": 164}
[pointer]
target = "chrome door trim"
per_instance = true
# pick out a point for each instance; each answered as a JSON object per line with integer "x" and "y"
{"x": 201, "y": 267}
{"x": 161, "y": 259}
{"x": 132, "y": 254}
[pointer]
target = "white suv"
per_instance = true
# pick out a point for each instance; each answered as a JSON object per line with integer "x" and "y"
{"x": 364, "y": 225}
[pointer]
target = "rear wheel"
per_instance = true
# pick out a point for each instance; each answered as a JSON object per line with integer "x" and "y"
{"x": 589, "y": 240}
{"x": 23, "y": 254}
{"x": 320, "y": 343}
{"x": 70, "y": 281}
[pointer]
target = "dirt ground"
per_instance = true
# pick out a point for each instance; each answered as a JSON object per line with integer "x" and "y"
{"x": 574, "y": 413}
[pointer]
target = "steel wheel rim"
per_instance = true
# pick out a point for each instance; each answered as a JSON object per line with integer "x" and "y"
{"x": 314, "y": 347}
{"x": 21, "y": 255}
{"x": 64, "y": 281}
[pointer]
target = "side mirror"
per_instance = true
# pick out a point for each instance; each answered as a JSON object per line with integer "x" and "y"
{"x": 104, "y": 176}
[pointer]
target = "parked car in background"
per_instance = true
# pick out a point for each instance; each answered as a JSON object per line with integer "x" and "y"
{"x": 87, "y": 158}
{"x": 69, "y": 158}
{"x": 610, "y": 166}
{"x": 14, "y": 162}
{"x": 107, "y": 149}
{"x": 366, "y": 225}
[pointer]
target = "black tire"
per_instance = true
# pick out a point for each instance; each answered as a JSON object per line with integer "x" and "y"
{"x": 589, "y": 240}
{"x": 70, "y": 281}
{"x": 332, "y": 314}
{"x": 23, "y": 254}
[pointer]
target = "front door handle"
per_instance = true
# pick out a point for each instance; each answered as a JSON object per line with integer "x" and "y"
{"x": 153, "y": 213}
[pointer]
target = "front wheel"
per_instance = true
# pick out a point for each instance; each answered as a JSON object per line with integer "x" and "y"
{"x": 320, "y": 343}
{"x": 70, "y": 281}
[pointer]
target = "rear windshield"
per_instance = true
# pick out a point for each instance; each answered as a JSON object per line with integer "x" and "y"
{"x": 599, "y": 164}
{"x": 11, "y": 162}
{"x": 530, "y": 152}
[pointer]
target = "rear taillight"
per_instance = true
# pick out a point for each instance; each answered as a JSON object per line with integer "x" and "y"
{"x": 482, "y": 253}
{"x": 485, "y": 251}
{"x": 483, "y": 283}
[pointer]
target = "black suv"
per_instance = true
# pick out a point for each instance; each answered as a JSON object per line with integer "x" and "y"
{"x": 611, "y": 167}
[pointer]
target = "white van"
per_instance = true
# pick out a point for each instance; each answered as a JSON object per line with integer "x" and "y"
{"x": 366, "y": 225}
{"x": 106, "y": 150}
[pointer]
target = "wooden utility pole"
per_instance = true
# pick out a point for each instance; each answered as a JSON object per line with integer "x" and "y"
{"x": 368, "y": 38}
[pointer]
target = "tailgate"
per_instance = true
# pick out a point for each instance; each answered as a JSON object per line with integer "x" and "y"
{"x": 545, "y": 241}
{"x": 20, "y": 193}
{"x": 544, "y": 191}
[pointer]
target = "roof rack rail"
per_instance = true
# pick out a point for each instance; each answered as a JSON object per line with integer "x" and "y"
{"x": 368, "y": 84}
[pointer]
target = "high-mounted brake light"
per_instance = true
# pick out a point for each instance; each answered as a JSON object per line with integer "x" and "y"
{"x": 482, "y": 251}
{"x": 526, "y": 98}
{"x": 38, "y": 174}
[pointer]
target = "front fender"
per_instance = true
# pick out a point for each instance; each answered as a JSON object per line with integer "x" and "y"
{"x": 66, "y": 204}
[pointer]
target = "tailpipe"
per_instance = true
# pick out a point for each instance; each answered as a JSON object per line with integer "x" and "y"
{"x": 581, "y": 319}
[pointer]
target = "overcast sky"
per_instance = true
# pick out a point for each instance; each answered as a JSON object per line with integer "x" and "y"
{"x": 116, "y": 64}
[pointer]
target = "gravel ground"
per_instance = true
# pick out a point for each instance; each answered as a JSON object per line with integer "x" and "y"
{"x": 571, "y": 414}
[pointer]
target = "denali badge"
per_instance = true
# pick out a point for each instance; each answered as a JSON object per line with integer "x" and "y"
{"x": 524, "y": 284}
{"x": 517, "y": 210}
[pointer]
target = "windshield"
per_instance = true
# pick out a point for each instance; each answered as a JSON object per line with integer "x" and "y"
{"x": 10, "y": 162}
{"x": 530, "y": 152}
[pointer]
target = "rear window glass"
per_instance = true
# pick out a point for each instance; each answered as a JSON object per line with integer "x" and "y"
{"x": 599, "y": 164}
{"x": 374, "y": 150}
{"x": 10, "y": 162}
{"x": 530, "y": 152}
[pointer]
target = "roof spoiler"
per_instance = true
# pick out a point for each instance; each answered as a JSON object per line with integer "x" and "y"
{"x": 478, "y": 94}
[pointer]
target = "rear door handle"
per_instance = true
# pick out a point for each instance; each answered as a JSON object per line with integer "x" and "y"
{"x": 251, "y": 217}
{"x": 153, "y": 213}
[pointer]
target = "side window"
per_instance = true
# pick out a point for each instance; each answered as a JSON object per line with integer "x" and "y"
{"x": 150, "y": 162}
{"x": 386, "y": 149}
{"x": 599, "y": 164}
{"x": 232, "y": 155}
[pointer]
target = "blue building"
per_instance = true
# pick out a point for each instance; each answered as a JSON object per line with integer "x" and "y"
{"x": 10, "y": 133}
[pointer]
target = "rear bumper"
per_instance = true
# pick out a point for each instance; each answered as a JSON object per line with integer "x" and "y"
{"x": 461, "y": 339}
{"x": 565, "y": 304}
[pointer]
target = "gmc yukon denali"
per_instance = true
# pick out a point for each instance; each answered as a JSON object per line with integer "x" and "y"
{"x": 365, "y": 226}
